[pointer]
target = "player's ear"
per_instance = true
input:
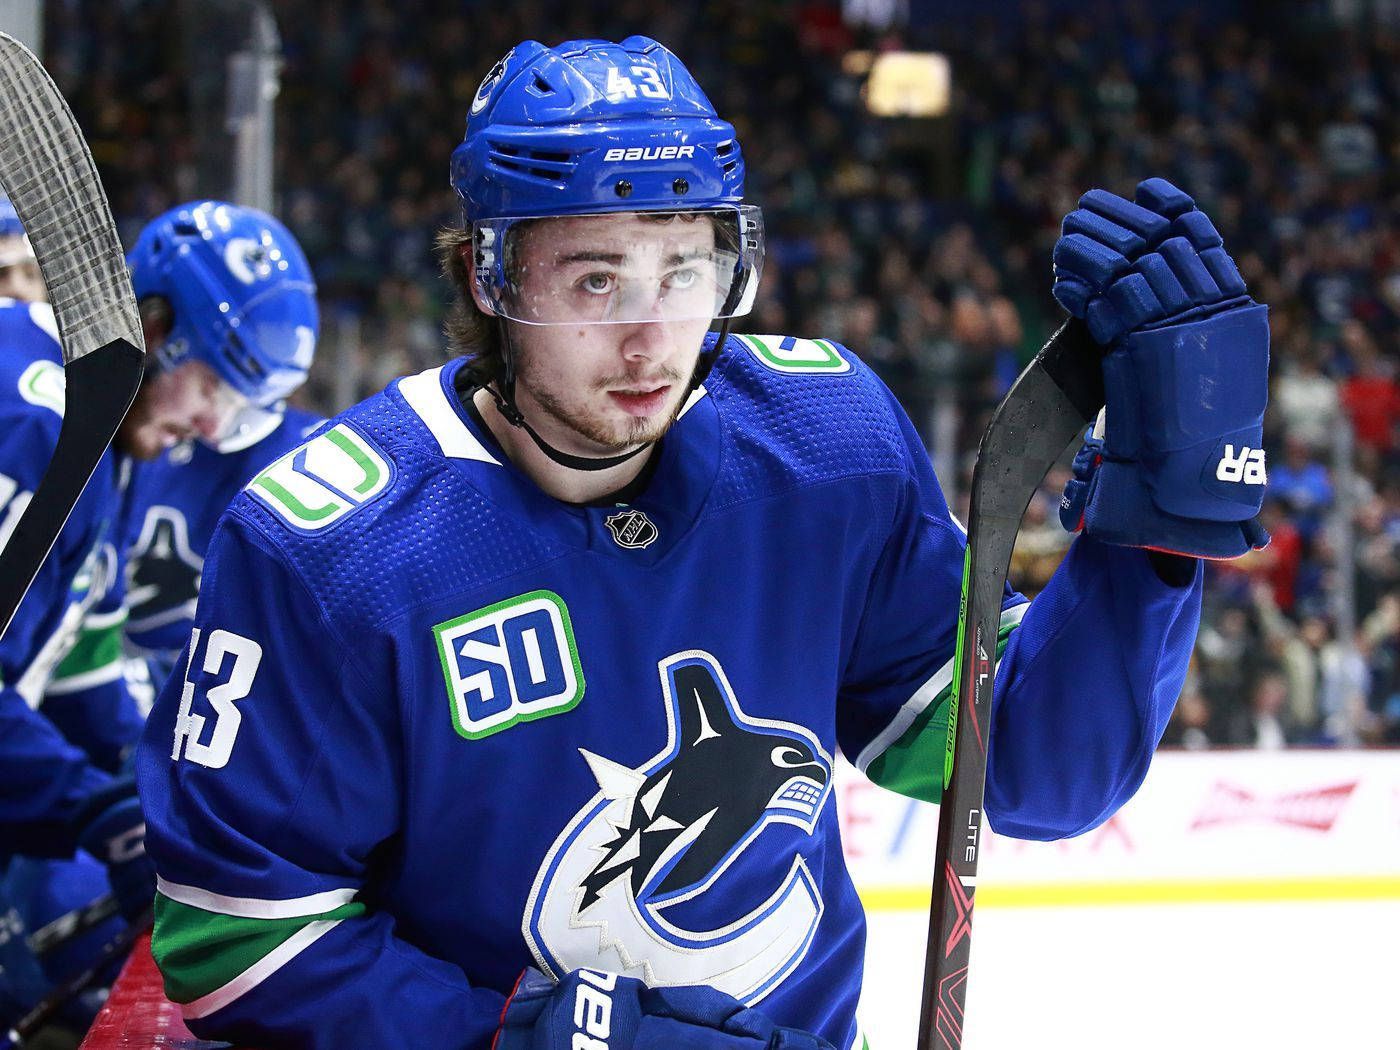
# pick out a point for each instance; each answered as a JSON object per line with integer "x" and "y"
{"x": 156, "y": 320}
{"x": 464, "y": 256}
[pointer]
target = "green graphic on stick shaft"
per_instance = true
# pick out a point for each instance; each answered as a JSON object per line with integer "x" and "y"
{"x": 956, "y": 695}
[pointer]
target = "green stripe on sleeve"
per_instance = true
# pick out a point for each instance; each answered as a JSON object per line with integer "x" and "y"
{"x": 913, "y": 764}
{"x": 95, "y": 648}
{"x": 200, "y": 951}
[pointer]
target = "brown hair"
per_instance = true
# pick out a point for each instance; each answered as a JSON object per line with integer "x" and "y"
{"x": 470, "y": 333}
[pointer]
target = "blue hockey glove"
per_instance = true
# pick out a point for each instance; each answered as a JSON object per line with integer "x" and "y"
{"x": 111, "y": 828}
{"x": 590, "y": 1010}
{"x": 1179, "y": 466}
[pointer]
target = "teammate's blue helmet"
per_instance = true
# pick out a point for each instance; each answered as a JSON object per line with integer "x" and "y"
{"x": 14, "y": 243}
{"x": 593, "y": 127}
{"x": 10, "y": 225}
{"x": 241, "y": 295}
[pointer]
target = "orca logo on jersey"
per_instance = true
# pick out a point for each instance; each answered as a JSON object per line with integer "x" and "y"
{"x": 662, "y": 835}
{"x": 162, "y": 571}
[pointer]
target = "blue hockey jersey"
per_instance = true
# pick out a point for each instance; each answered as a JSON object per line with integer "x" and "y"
{"x": 63, "y": 637}
{"x": 436, "y": 726}
{"x": 172, "y": 505}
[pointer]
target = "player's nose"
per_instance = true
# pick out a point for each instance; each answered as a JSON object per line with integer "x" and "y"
{"x": 644, "y": 340}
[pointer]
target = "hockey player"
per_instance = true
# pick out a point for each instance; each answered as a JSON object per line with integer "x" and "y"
{"x": 173, "y": 504}
{"x": 19, "y": 270}
{"x": 230, "y": 316}
{"x": 173, "y": 501}
{"x": 512, "y": 704}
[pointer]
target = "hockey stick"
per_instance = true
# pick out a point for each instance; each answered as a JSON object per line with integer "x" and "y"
{"x": 55, "y": 934}
{"x": 1047, "y": 407}
{"x": 28, "y": 1025}
{"x": 47, "y": 170}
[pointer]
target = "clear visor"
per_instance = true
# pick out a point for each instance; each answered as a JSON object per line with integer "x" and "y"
{"x": 621, "y": 267}
{"x": 246, "y": 426}
{"x": 234, "y": 420}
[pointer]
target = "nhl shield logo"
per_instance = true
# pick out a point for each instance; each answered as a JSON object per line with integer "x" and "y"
{"x": 631, "y": 529}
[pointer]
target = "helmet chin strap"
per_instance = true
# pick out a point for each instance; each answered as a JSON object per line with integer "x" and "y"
{"x": 505, "y": 403}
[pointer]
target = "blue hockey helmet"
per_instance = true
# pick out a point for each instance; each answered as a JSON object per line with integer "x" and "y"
{"x": 10, "y": 225}
{"x": 14, "y": 243}
{"x": 592, "y": 127}
{"x": 241, "y": 296}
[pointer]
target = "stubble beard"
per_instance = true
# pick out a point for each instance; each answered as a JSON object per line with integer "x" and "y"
{"x": 136, "y": 437}
{"x": 605, "y": 434}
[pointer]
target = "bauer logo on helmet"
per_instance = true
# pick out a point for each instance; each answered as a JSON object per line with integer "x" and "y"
{"x": 649, "y": 153}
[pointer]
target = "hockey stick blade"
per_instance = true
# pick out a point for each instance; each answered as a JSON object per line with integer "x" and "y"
{"x": 50, "y": 177}
{"x": 1047, "y": 408}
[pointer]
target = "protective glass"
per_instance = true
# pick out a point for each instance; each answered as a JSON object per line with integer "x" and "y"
{"x": 232, "y": 413}
{"x": 245, "y": 425}
{"x": 621, "y": 267}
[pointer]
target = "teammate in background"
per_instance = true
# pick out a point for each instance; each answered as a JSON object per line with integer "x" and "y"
{"x": 513, "y": 699}
{"x": 173, "y": 505}
{"x": 230, "y": 321}
{"x": 19, "y": 270}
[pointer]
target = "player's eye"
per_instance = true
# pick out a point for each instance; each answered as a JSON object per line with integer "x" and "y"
{"x": 682, "y": 280}
{"x": 597, "y": 283}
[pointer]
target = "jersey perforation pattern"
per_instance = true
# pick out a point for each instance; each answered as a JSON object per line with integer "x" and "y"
{"x": 784, "y": 432}
{"x": 431, "y": 536}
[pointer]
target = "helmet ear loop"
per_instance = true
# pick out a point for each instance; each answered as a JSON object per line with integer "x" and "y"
{"x": 505, "y": 403}
{"x": 489, "y": 268}
{"x": 709, "y": 357}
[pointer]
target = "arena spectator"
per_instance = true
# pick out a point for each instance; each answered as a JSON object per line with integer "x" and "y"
{"x": 925, "y": 244}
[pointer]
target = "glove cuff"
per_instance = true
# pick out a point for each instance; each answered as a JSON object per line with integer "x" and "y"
{"x": 98, "y": 803}
{"x": 1120, "y": 510}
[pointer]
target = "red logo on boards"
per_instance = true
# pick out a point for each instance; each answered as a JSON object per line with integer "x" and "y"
{"x": 1317, "y": 809}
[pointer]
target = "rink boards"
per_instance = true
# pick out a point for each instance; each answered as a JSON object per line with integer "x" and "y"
{"x": 1216, "y": 826}
{"x": 1227, "y": 878}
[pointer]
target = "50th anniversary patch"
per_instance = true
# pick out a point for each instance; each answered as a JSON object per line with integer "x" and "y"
{"x": 511, "y": 662}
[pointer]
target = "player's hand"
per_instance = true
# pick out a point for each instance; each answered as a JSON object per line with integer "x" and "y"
{"x": 590, "y": 1010}
{"x": 110, "y": 827}
{"x": 1179, "y": 465}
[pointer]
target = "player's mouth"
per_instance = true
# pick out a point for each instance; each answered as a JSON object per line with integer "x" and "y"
{"x": 642, "y": 402}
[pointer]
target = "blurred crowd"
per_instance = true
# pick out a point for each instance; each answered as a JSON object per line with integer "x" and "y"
{"x": 922, "y": 244}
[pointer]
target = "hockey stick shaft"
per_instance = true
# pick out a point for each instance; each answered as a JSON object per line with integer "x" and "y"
{"x": 54, "y": 935}
{"x": 48, "y": 172}
{"x": 27, "y": 1026}
{"x": 1047, "y": 408}
{"x": 102, "y": 385}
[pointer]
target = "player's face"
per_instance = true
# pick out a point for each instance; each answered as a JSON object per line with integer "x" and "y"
{"x": 189, "y": 401}
{"x": 610, "y": 386}
{"x": 19, "y": 273}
